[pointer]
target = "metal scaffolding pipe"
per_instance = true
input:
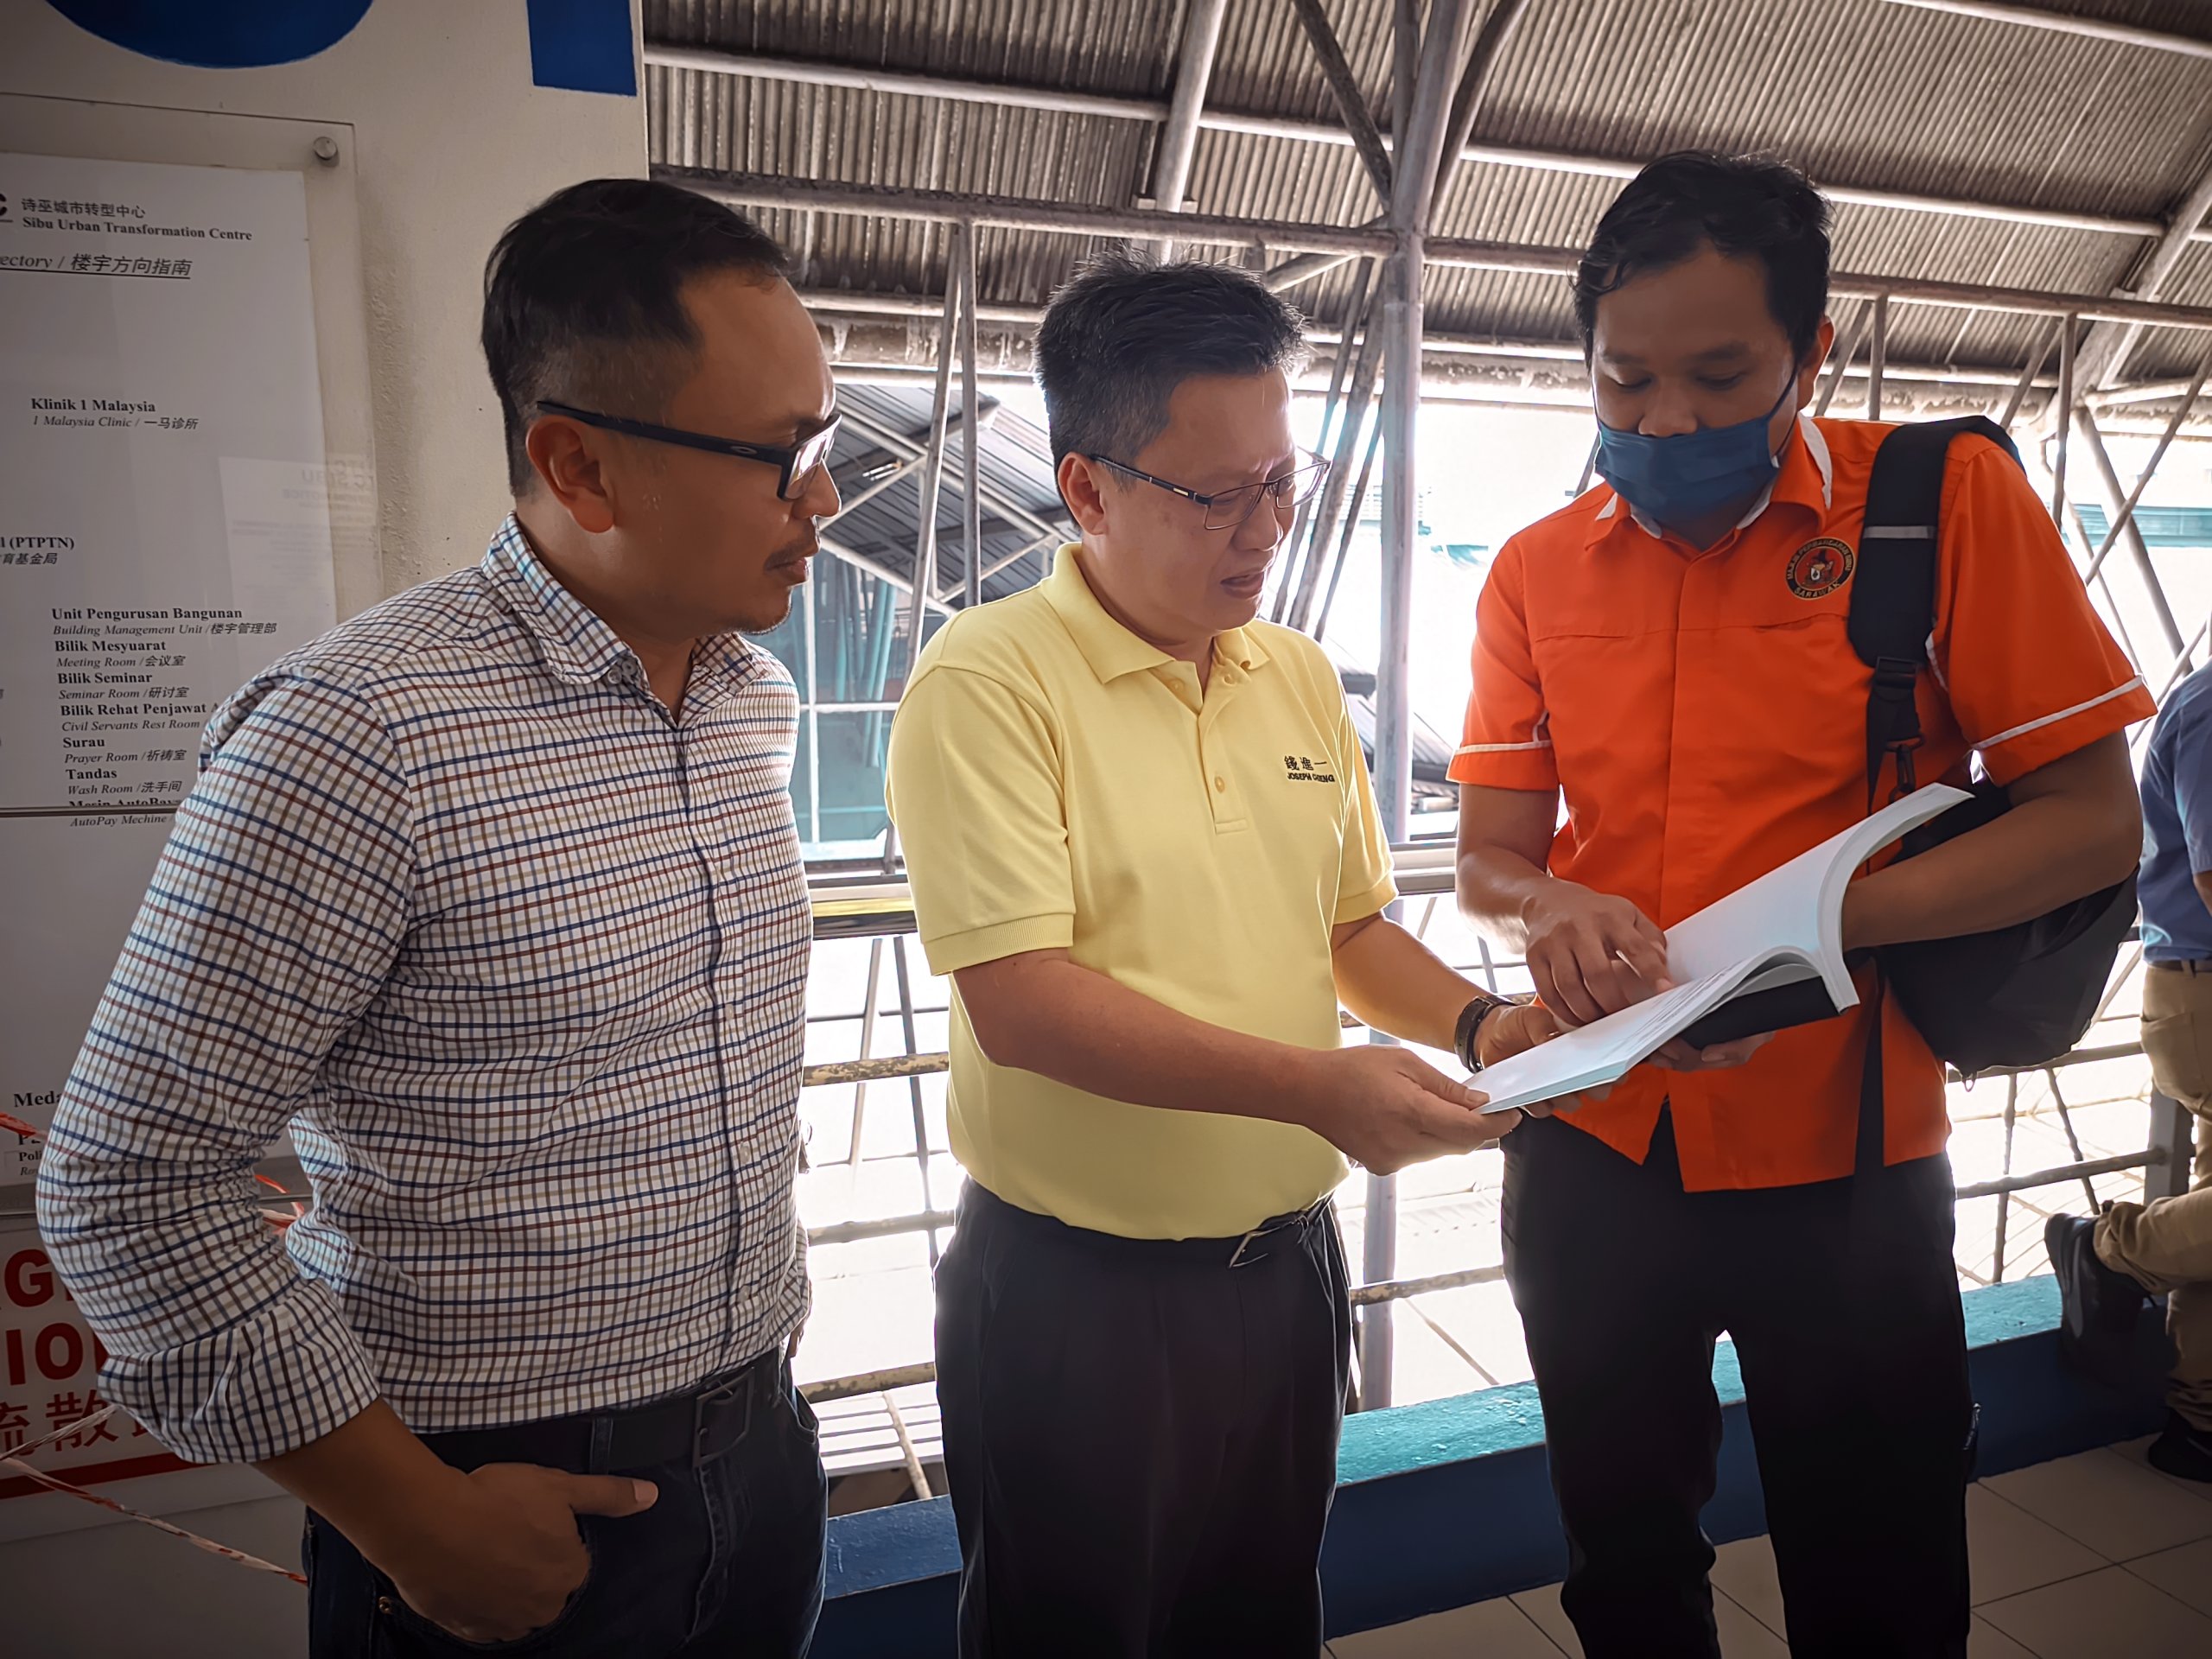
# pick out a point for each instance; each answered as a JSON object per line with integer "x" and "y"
{"x": 1067, "y": 218}
{"x": 877, "y": 568}
{"x": 1413, "y": 187}
{"x": 2012, "y": 411}
{"x": 2105, "y": 354}
{"x": 899, "y": 474}
{"x": 858, "y": 371}
{"x": 1877, "y": 355}
{"x": 2123, "y": 521}
{"x": 1359, "y": 403}
{"x": 972, "y": 504}
{"x": 1343, "y": 87}
{"x": 1305, "y": 536}
{"x": 1343, "y": 539}
{"x": 933, "y": 464}
{"x": 1037, "y": 544}
{"x": 2065, "y": 427}
{"x": 890, "y": 306}
{"x": 2141, "y": 391}
{"x": 2060, "y": 1175}
{"x": 1304, "y": 268}
{"x": 767, "y": 191}
{"x": 1490, "y": 41}
{"x": 1405, "y": 67}
{"x": 2057, "y": 22}
{"x": 1179, "y": 134}
{"x": 1840, "y": 365}
{"x": 760, "y": 67}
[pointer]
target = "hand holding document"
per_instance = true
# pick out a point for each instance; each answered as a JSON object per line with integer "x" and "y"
{"x": 1769, "y": 955}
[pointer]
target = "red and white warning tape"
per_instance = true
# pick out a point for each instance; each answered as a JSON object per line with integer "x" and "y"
{"x": 67, "y": 1431}
{"x": 55, "y": 1483}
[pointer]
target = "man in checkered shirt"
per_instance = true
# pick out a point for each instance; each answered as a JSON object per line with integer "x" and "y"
{"x": 492, "y": 897}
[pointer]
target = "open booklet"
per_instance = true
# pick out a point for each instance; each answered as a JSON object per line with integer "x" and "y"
{"x": 1768, "y": 956}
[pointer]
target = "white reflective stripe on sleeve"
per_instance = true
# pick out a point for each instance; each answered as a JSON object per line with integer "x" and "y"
{"x": 2063, "y": 714}
{"x": 1500, "y": 749}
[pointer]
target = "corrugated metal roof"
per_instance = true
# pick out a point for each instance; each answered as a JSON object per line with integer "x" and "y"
{"x": 1861, "y": 93}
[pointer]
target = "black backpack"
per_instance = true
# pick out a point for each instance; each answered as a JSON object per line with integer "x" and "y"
{"x": 2020, "y": 995}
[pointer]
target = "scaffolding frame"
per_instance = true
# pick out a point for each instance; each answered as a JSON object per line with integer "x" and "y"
{"x": 1373, "y": 395}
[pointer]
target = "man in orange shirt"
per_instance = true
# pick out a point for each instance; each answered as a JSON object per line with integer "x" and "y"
{"x": 1669, "y": 654}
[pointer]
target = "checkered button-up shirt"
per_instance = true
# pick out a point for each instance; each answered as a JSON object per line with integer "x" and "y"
{"x": 521, "y": 961}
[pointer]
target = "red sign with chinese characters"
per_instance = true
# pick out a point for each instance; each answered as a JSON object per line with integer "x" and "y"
{"x": 49, "y": 1367}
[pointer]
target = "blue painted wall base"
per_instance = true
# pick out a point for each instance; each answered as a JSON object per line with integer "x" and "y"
{"x": 1449, "y": 1502}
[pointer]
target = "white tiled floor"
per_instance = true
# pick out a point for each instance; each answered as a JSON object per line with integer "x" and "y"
{"x": 2086, "y": 1558}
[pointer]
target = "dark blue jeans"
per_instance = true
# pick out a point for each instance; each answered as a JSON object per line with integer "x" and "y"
{"x": 727, "y": 1563}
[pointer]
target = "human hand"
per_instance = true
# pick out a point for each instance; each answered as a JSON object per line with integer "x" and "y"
{"x": 1592, "y": 954}
{"x": 1514, "y": 1030}
{"x": 1679, "y": 1056}
{"x": 1384, "y": 1108}
{"x": 498, "y": 1553}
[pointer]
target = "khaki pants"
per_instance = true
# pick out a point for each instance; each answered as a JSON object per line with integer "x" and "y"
{"x": 2167, "y": 1245}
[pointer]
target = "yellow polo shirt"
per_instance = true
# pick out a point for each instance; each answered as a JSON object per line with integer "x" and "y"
{"x": 1061, "y": 785}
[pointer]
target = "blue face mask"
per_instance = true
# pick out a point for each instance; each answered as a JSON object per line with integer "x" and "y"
{"x": 1683, "y": 477}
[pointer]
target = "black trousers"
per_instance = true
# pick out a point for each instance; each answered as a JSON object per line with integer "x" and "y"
{"x": 1141, "y": 1440}
{"x": 1847, "y": 1325}
{"x": 727, "y": 1563}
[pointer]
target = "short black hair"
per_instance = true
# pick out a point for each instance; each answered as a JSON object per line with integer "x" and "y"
{"x": 1124, "y": 331}
{"x": 1742, "y": 206}
{"x": 583, "y": 302}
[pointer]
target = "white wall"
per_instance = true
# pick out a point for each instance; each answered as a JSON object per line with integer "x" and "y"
{"x": 451, "y": 142}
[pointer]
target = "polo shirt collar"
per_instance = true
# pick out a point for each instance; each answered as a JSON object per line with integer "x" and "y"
{"x": 1110, "y": 649}
{"x": 1805, "y": 479}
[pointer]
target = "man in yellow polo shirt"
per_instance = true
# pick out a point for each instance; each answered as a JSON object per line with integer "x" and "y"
{"x": 1143, "y": 846}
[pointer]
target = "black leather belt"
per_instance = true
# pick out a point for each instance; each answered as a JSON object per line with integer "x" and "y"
{"x": 1276, "y": 1233}
{"x": 694, "y": 1427}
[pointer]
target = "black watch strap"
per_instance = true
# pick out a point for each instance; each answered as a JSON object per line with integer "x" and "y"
{"x": 1468, "y": 1032}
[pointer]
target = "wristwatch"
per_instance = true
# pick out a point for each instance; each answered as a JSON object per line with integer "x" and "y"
{"x": 1466, "y": 1036}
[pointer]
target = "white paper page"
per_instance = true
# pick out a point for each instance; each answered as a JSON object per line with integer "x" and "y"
{"x": 1784, "y": 908}
{"x": 1606, "y": 1050}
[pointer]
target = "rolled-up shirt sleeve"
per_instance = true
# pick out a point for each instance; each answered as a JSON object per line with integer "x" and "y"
{"x": 272, "y": 920}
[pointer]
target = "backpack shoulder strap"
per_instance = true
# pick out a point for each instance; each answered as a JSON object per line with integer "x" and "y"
{"x": 1893, "y": 593}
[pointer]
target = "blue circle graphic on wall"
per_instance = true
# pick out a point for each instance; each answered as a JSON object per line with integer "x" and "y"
{"x": 217, "y": 34}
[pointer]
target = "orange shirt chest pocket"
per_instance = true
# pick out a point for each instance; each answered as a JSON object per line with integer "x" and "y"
{"x": 1602, "y": 637}
{"x": 1771, "y": 696}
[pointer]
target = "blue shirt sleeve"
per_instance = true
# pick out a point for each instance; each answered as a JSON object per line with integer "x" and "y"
{"x": 2189, "y": 755}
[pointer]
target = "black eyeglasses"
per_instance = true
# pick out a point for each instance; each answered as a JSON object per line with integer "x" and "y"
{"x": 796, "y": 465}
{"x": 1228, "y": 509}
